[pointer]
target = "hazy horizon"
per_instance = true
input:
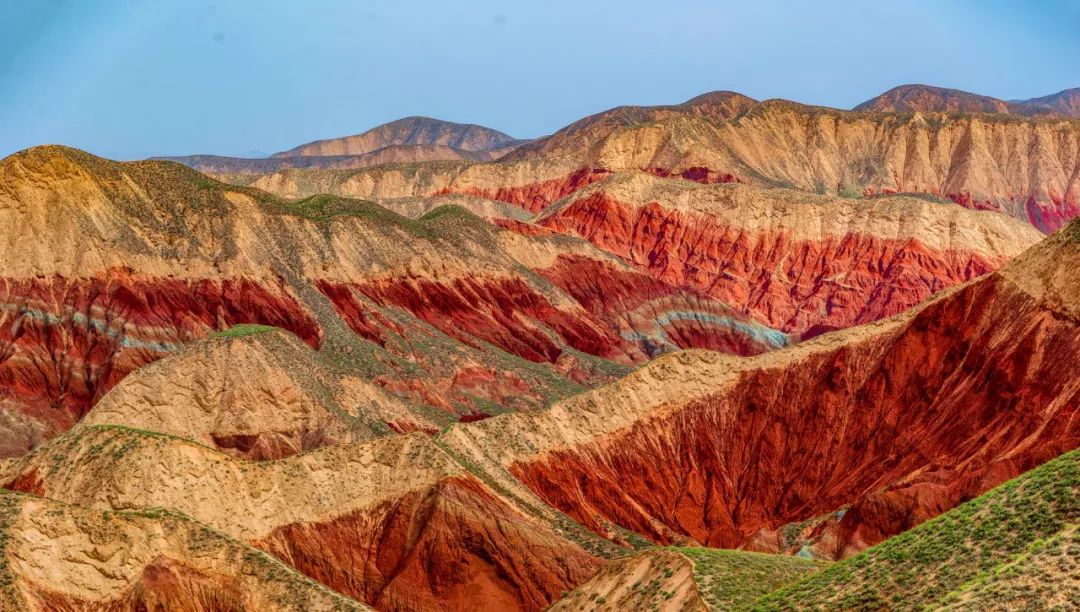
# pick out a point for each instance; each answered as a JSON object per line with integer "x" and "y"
{"x": 130, "y": 79}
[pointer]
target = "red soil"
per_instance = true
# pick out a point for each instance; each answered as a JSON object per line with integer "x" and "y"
{"x": 898, "y": 427}
{"x": 789, "y": 285}
{"x": 697, "y": 174}
{"x": 165, "y": 584}
{"x": 454, "y": 547}
{"x": 503, "y": 312}
{"x": 632, "y": 302}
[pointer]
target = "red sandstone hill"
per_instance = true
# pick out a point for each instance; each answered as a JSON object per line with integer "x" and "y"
{"x": 834, "y": 444}
{"x": 1027, "y": 167}
{"x": 928, "y": 99}
{"x": 115, "y": 265}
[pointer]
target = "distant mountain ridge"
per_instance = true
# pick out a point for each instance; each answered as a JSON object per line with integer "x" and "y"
{"x": 409, "y": 131}
{"x": 927, "y": 98}
{"x": 407, "y": 140}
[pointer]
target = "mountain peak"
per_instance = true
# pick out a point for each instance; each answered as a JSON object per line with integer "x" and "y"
{"x": 928, "y": 98}
{"x": 414, "y": 130}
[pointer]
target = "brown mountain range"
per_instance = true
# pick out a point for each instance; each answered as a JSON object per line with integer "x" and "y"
{"x": 1028, "y": 167}
{"x": 928, "y": 99}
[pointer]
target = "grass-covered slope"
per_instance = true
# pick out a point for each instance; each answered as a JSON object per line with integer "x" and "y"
{"x": 735, "y": 579}
{"x": 1016, "y": 547}
{"x": 677, "y": 579}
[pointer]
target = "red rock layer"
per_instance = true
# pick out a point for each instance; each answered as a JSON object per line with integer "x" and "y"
{"x": 64, "y": 342}
{"x": 657, "y": 314}
{"x": 366, "y": 322}
{"x": 453, "y": 547}
{"x": 507, "y": 313}
{"x": 897, "y": 427}
{"x": 535, "y": 197}
{"x": 697, "y": 174}
{"x": 166, "y": 584}
{"x": 791, "y": 285}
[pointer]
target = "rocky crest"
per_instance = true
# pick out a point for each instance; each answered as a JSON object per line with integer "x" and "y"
{"x": 927, "y": 99}
{"x": 409, "y": 131}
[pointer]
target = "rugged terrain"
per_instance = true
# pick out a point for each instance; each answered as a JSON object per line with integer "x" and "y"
{"x": 687, "y": 579}
{"x": 1027, "y": 167}
{"x": 831, "y": 445}
{"x": 430, "y": 367}
{"x": 115, "y": 265}
{"x": 255, "y": 392}
{"x": 397, "y": 522}
{"x": 1015, "y": 548}
{"x": 60, "y": 557}
{"x": 797, "y": 262}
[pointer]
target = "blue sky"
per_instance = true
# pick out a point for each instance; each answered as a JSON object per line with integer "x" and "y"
{"x": 135, "y": 78}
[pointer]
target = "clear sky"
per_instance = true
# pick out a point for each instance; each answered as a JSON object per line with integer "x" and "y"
{"x": 136, "y": 78}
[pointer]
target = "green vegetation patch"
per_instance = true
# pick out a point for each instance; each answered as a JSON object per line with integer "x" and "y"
{"x": 9, "y": 510}
{"x": 1009, "y": 543}
{"x": 244, "y": 329}
{"x": 735, "y": 579}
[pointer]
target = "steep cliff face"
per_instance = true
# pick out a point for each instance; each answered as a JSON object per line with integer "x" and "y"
{"x": 408, "y": 131}
{"x": 796, "y": 262}
{"x": 838, "y": 442}
{"x": 61, "y": 557}
{"x": 1026, "y": 167}
{"x": 396, "y": 522}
